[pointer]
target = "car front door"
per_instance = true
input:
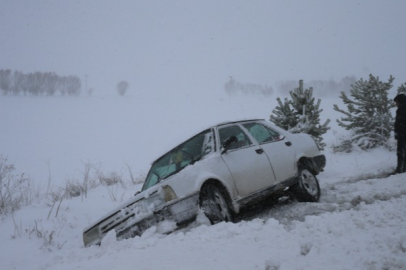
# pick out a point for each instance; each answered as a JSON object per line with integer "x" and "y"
{"x": 247, "y": 162}
{"x": 279, "y": 150}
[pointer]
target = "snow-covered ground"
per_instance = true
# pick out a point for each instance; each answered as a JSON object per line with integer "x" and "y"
{"x": 359, "y": 223}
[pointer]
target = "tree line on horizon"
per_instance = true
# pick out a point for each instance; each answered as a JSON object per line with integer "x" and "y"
{"x": 323, "y": 88}
{"x": 38, "y": 83}
{"x": 233, "y": 86}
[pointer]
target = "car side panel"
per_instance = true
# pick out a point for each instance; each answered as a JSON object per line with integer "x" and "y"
{"x": 305, "y": 146}
{"x": 190, "y": 179}
{"x": 282, "y": 156}
{"x": 250, "y": 169}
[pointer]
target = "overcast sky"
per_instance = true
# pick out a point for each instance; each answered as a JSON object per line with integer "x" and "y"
{"x": 169, "y": 45}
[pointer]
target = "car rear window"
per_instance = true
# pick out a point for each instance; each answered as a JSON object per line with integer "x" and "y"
{"x": 262, "y": 133}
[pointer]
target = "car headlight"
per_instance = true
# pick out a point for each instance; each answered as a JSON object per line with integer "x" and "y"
{"x": 91, "y": 236}
{"x": 157, "y": 198}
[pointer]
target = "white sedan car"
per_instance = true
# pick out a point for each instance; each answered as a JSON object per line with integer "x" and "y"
{"x": 217, "y": 171}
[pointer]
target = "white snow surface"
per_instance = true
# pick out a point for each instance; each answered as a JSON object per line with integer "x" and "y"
{"x": 359, "y": 223}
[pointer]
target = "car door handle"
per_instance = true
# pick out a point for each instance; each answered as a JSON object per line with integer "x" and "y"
{"x": 288, "y": 143}
{"x": 259, "y": 151}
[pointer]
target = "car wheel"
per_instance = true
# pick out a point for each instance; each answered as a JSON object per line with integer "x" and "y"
{"x": 214, "y": 204}
{"x": 308, "y": 189}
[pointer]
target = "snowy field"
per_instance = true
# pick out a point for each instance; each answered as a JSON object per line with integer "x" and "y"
{"x": 359, "y": 223}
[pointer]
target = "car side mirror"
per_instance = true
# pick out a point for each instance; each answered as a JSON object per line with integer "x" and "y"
{"x": 228, "y": 142}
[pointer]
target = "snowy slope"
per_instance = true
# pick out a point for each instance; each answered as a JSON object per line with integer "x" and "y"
{"x": 359, "y": 223}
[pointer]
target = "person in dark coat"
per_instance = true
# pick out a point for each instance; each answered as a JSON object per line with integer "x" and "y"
{"x": 400, "y": 132}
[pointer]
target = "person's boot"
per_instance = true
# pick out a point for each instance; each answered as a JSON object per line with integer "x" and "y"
{"x": 401, "y": 163}
{"x": 401, "y": 166}
{"x": 396, "y": 171}
{"x": 404, "y": 165}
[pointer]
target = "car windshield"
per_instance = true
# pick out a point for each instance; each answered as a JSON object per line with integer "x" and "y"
{"x": 175, "y": 160}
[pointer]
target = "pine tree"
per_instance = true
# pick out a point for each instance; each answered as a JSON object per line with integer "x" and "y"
{"x": 303, "y": 117}
{"x": 284, "y": 116}
{"x": 368, "y": 116}
{"x": 122, "y": 87}
{"x": 402, "y": 89}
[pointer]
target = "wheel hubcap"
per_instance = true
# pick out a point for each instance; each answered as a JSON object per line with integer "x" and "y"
{"x": 222, "y": 206}
{"x": 309, "y": 182}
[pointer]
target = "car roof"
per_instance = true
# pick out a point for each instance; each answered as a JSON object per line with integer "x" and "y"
{"x": 235, "y": 122}
{"x": 202, "y": 130}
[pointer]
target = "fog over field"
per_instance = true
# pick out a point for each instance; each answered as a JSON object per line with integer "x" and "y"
{"x": 161, "y": 46}
{"x": 177, "y": 57}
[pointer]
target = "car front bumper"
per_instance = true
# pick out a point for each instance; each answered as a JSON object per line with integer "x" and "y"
{"x": 179, "y": 212}
{"x": 134, "y": 223}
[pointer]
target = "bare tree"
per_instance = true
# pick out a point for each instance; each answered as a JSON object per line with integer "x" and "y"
{"x": 5, "y": 80}
{"x": 70, "y": 85}
{"x": 17, "y": 78}
{"x": 14, "y": 189}
{"x": 233, "y": 87}
{"x": 73, "y": 85}
{"x": 38, "y": 83}
{"x": 62, "y": 85}
{"x": 24, "y": 86}
{"x": 90, "y": 91}
{"x": 35, "y": 83}
{"x": 50, "y": 83}
{"x": 122, "y": 88}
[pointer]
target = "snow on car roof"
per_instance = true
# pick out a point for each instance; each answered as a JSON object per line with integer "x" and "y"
{"x": 239, "y": 121}
{"x": 201, "y": 130}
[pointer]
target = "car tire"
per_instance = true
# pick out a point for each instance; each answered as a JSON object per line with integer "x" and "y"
{"x": 308, "y": 188}
{"x": 214, "y": 204}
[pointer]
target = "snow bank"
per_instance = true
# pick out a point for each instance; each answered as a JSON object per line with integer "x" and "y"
{"x": 359, "y": 223}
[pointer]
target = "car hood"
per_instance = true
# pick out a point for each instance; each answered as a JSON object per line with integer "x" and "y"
{"x": 136, "y": 199}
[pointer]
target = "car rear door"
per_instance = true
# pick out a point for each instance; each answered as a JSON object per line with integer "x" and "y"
{"x": 279, "y": 149}
{"x": 247, "y": 162}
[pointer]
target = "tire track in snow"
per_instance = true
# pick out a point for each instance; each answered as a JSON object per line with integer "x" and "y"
{"x": 344, "y": 195}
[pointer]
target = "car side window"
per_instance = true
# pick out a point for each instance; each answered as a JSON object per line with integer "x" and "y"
{"x": 197, "y": 147}
{"x": 262, "y": 133}
{"x": 242, "y": 138}
{"x": 175, "y": 160}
